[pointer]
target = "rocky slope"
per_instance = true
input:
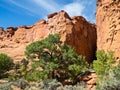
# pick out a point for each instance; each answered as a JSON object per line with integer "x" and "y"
{"x": 108, "y": 26}
{"x": 75, "y": 31}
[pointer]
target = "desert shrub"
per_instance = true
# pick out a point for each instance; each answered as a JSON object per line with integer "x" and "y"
{"x": 24, "y": 67}
{"x": 112, "y": 80}
{"x": 52, "y": 59}
{"x": 78, "y": 86}
{"x": 55, "y": 85}
{"x": 36, "y": 75}
{"x": 50, "y": 84}
{"x": 103, "y": 63}
{"x": 44, "y": 85}
{"x": 19, "y": 70}
{"x": 108, "y": 75}
{"x": 19, "y": 84}
{"x": 6, "y": 63}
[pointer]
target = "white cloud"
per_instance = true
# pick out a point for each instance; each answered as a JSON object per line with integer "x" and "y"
{"x": 19, "y": 5}
{"x": 44, "y": 7}
{"x": 49, "y": 6}
{"x": 28, "y": 9}
{"x": 74, "y": 8}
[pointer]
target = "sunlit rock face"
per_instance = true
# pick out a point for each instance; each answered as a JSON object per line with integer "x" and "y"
{"x": 108, "y": 26}
{"x": 75, "y": 31}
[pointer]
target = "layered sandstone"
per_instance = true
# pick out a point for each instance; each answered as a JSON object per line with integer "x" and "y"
{"x": 75, "y": 31}
{"x": 108, "y": 26}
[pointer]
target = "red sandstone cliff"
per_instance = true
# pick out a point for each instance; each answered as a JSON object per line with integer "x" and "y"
{"x": 108, "y": 26}
{"x": 74, "y": 31}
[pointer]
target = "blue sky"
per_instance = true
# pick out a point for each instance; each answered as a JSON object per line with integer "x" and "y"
{"x": 27, "y": 12}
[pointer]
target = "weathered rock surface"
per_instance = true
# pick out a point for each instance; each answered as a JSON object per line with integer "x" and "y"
{"x": 89, "y": 77}
{"x": 108, "y": 26}
{"x": 74, "y": 31}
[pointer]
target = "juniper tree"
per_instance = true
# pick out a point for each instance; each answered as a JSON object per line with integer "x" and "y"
{"x": 55, "y": 59}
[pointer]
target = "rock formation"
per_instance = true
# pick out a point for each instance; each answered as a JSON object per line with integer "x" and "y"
{"x": 75, "y": 31}
{"x": 108, "y": 26}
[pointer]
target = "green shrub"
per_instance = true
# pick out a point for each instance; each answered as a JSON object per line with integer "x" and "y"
{"x": 51, "y": 84}
{"x": 54, "y": 60}
{"x": 112, "y": 80}
{"x": 19, "y": 84}
{"x": 6, "y": 63}
{"x": 103, "y": 63}
{"x": 20, "y": 70}
{"x": 108, "y": 75}
{"x": 55, "y": 85}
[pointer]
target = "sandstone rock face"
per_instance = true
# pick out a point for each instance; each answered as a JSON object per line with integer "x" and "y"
{"x": 31, "y": 33}
{"x": 89, "y": 78}
{"x": 2, "y": 33}
{"x": 74, "y": 31}
{"x": 108, "y": 26}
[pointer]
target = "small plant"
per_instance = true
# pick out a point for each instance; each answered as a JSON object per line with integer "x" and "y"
{"x": 55, "y": 85}
{"x": 108, "y": 75}
{"x": 19, "y": 71}
{"x": 24, "y": 67}
{"x": 50, "y": 85}
{"x": 103, "y": 63}
{"x": 112, "y": 80}
{"x": 6, "y": 63}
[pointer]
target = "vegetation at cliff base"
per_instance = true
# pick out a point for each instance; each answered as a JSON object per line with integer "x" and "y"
{"x": 103, "y": 63}
{"x": 111, "y": 81}
{"x": 53, "y": 65}
{"x": 108, "y": 76}
{"x": 51, "y": 59}
{"x": 6, "y": 63}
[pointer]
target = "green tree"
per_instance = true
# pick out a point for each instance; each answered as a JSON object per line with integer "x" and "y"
{"x": 53, "y": 59}
{"x": 6, "y": 63}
